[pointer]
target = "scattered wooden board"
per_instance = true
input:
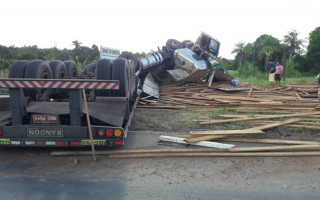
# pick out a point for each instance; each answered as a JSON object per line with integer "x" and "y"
{"x": 256, "y": 118}
{"x": 217, "y": 154}
{"x": 276, "y": 148}
{"x": 202, "y": 143}
{"x": 227, "y": 132}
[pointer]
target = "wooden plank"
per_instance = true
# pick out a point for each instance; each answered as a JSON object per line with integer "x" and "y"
{"x": 298, "y": 96}
{"x": 304, "y": 126}
{"x": 229, "y": 97}
{"x": 202, "y": 143}
{"x": 218, "y": 154}
{"x": 249, "y": 94}
{"x": 164, "y": 107}
{"x": 89, "y": 124}
{"x": 269, "y": 141}
{"x": 275, "y": 148}
{"x": 256, "y": 118}
{"x": 133, "y": 151}
{"x": 276, "y": 124}
{"x": 203, "y": 138}
{"x": 227, "y": 132}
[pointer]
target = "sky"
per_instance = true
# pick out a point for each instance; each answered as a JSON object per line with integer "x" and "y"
{"x": 145, "y": 25}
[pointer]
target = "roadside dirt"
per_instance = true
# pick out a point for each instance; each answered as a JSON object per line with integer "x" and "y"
{"x": 183, "y": 121}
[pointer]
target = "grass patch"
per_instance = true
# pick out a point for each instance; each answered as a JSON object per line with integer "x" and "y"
{"x": 224, "y": 110}
{"x": 221, "y": 110}
{"x": 261, "y": 79}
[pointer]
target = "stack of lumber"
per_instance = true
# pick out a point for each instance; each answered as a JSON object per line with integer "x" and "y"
{"x": 199, "y": 96}
{"x": 295, "y": 100}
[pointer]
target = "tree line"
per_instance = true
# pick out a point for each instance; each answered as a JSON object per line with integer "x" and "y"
{"x": 82, "y": 55}
{"x": 292, "y": 52}
{"x": 250, "y": 58}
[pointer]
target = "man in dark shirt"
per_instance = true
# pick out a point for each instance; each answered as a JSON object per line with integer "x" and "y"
{"x": 272, "y": 71}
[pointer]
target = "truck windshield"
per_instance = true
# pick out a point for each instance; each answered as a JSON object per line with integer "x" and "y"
{"x": 214, "y": 45}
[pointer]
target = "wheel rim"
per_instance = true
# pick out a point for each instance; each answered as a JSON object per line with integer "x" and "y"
{"x": 45, "y": 75}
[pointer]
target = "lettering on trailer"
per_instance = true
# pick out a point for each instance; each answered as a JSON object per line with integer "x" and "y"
{"x": 4, "y": 141}
{"x": 44, "y": 132}
{"x": 72, "y": 84}
{"x": 45, "y": 119}
{"x": 95, "y": 142}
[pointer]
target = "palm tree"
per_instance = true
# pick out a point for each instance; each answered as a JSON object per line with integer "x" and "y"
{"x": 238, "y": 50}
{"x": 76, "y": 44}
{"x": 77, "y": 49}
{"x": 294, "y": 44}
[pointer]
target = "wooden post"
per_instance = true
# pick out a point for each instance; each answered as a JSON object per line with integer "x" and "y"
{"x": 89, "y": 124}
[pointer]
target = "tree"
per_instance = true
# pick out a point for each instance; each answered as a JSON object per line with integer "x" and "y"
{"x": 294, "y": 45}
{"x": 240, "y": 55}
{"x": 266, "y": 47}
{"x": 313, "y": 53}
{"x": 76, "y": 51}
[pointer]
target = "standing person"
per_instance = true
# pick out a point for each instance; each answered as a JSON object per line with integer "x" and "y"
{"x": 272, "y": 70}
{"x": 279, "y": 70}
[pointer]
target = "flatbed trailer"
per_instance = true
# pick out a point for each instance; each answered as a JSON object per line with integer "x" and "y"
{"x": 25, "y": 121}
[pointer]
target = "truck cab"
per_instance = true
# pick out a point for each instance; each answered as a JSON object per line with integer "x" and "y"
{"x": 197, "y": 62}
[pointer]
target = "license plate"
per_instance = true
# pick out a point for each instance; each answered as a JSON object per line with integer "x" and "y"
{"x": 45, "y": 119}
{"x": 44, "y": 132}
{"x": 95, "y": 142}
{"x": 4, "y": 141}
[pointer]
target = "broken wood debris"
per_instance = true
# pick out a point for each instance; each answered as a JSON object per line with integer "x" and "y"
{"x": 201, "y": 143}
{"x": 200, "y": 95}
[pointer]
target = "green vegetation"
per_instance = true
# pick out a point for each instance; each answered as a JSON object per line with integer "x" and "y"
{"x": 223, "y": 110}
{"x": 82, "y": 55}
{"x": 250, "y": 62}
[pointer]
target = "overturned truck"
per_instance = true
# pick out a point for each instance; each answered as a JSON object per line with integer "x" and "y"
{"x": 50, "y": 104}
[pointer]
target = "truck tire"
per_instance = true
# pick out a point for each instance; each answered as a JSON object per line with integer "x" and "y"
{"x": 37, "y": 69}
{"x": 120, "y": 72}
{"x": 173, "y": 44}
{"x": 104, "y": 73}
{"x": 132, "y": 77}
{"x": 58, "y": 69}
{"x": 187, "y": 44}
{"x": 72, "y": 70}
{"x": 90, "y": 69}
{"x": 18, "y": 69}
{"x": 130, "y": 56}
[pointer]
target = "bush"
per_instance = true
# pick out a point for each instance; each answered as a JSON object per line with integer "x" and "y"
{"x": 291, "y": 71}
{"x": 233, "y": 73}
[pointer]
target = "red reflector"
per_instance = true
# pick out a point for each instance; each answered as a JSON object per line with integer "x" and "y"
{"x": 94, "y": 133}
{"x": 118, "y": 143}
{"x": 60, "y": 143}
{"x": 75, "y": 143}
{"x": 109, "y": 133}
{"x": 39, "y": 142}
{"x": 0, "y": 132}
{"x": 101, "y": 132}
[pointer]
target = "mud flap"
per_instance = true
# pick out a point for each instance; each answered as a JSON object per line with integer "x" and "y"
{"x": 150, "y": 86}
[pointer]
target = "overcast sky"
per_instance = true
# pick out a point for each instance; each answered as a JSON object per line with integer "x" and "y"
{"x": 142, "y": 25}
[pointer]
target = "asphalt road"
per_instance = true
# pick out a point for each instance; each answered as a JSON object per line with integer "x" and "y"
{"x": 31, "y": 173}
